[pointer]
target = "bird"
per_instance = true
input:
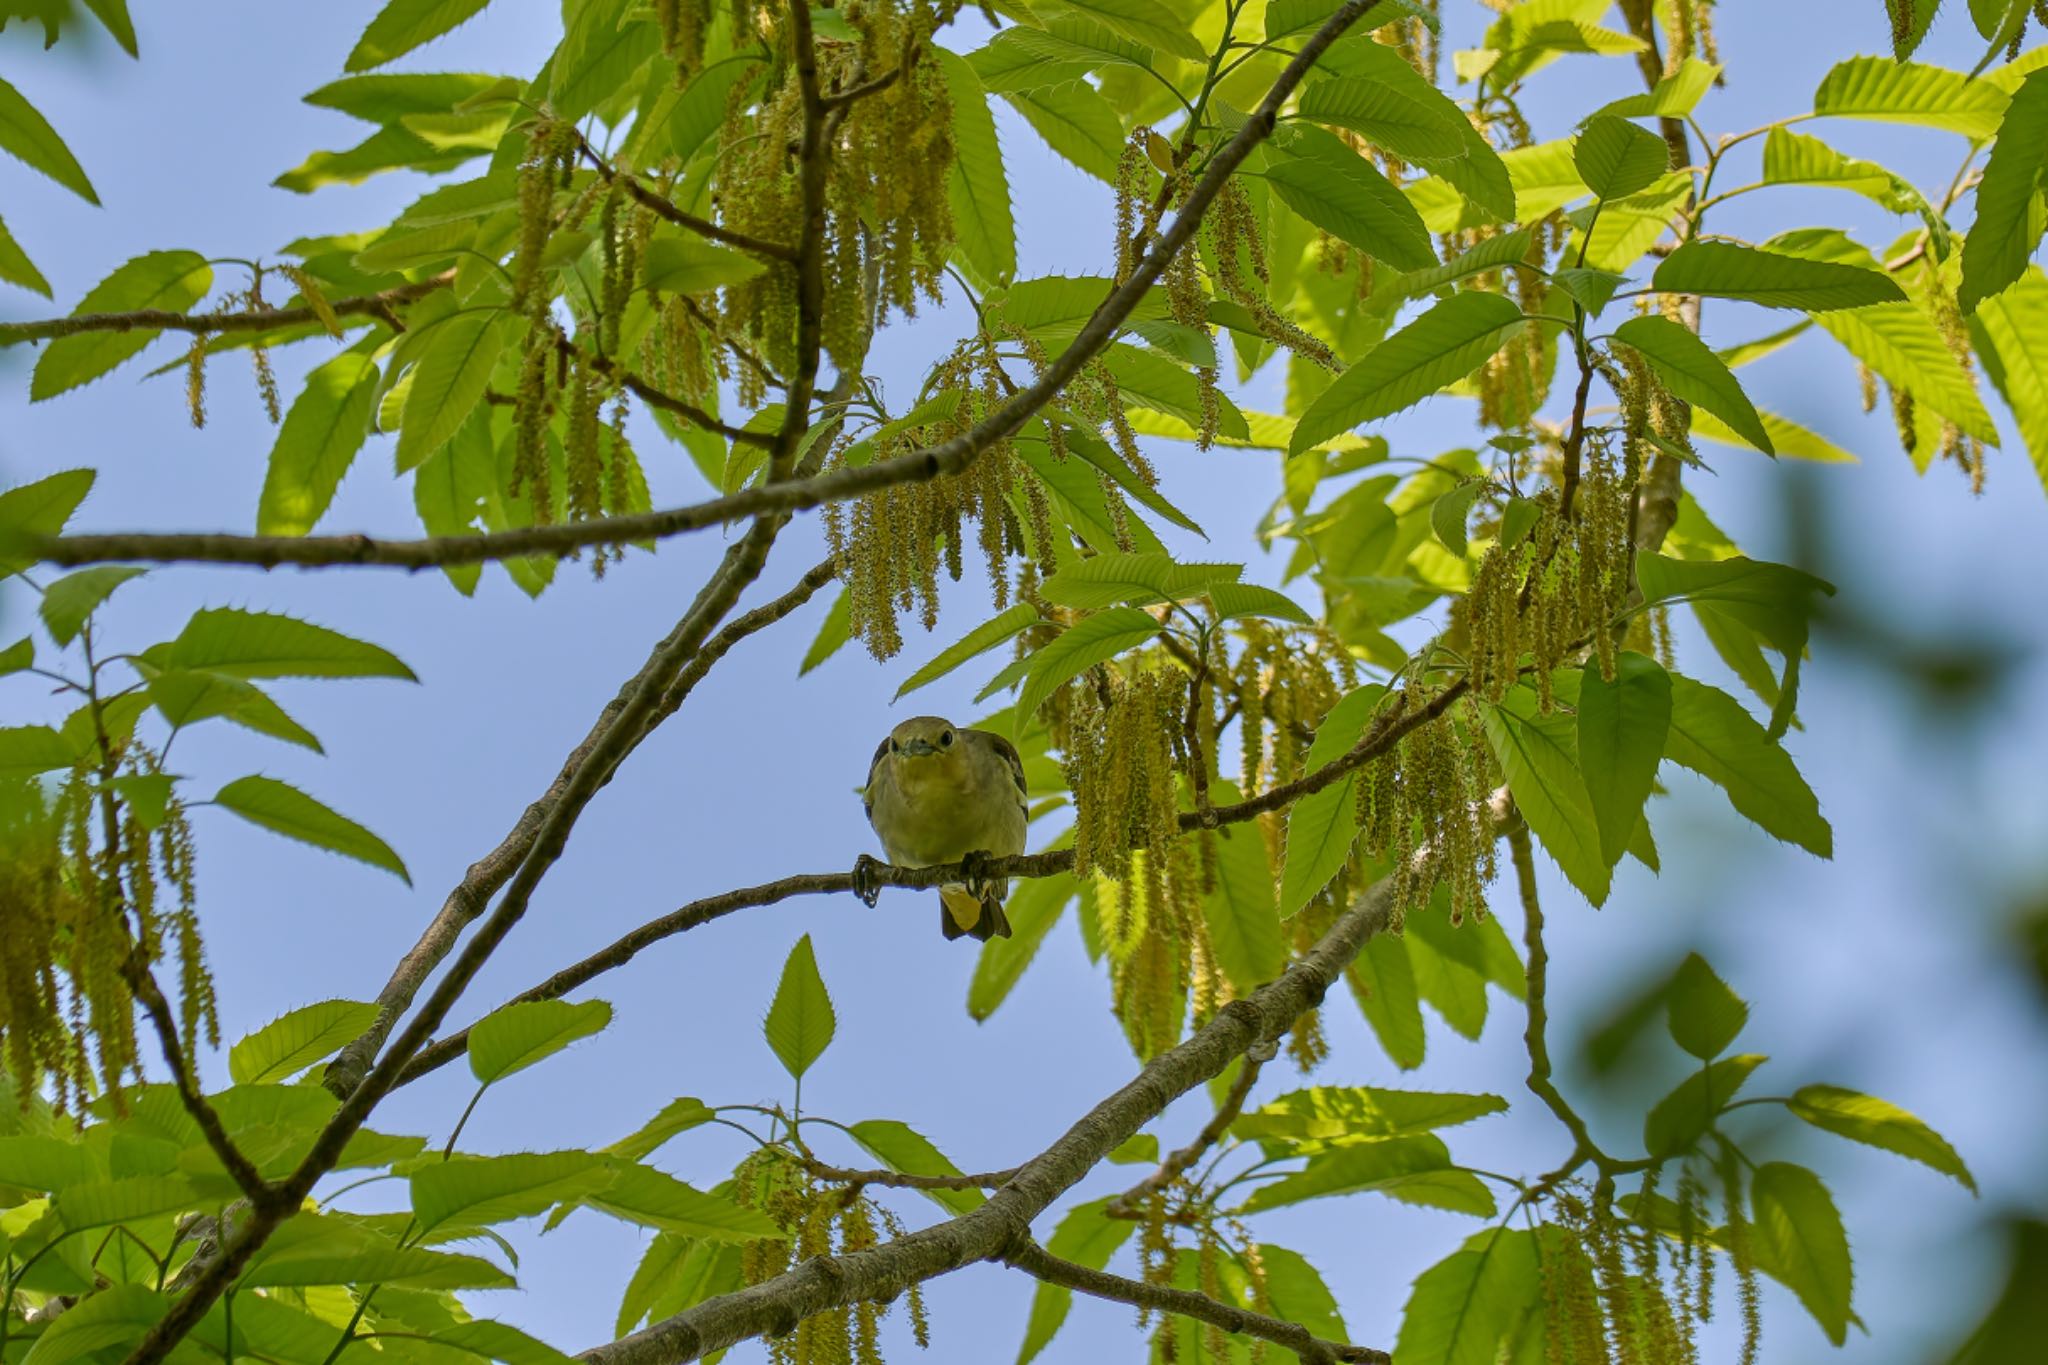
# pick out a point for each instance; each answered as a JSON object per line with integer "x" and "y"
{"x": 936, "y": 794}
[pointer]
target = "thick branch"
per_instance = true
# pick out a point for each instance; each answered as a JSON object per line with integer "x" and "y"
{"x": 1035, "y": 1261}
{"x": 256, "y": 320}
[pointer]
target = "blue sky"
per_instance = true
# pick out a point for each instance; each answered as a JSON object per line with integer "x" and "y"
{"x": 1889, "y": 969}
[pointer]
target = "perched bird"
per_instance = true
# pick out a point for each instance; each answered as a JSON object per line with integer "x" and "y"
{"x": 938, "y": 794}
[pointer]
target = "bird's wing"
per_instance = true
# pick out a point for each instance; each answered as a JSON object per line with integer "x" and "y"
{"x": 1007, "y": 752}
{"x": 867, "y": 795}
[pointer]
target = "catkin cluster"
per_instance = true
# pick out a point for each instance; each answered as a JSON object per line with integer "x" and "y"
{"x": 92, "y": 889}
{"x": 1430, "y": 790}
{"x": 819, "y": 1219}
{"x": 1234, "y": 248}
{"x": 1515, "y": 380}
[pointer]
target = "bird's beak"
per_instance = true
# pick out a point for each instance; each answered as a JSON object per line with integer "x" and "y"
{"x": 917, "y": 748}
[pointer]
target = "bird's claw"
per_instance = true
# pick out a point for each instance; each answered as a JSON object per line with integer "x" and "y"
{"x": 867, "y": 879}
{"x": 974, "y": 867}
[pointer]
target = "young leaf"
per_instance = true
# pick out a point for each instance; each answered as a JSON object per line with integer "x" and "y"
{"x": 284, "y": 809}
{"x": 186, "y": 698}
{"x": 1133, "y": 579}
{"x": 1086, "y": 1236}
{"x": 1712, "y": 735}
{"x": 16, "y": 267}
{"x": 71, "y": 599}
{"x": 17, "y": 656}
{"x": 28, "y": 137}
{"x": 1327, "y": 1115}
{"x": 1729, "y": 270}
{"x": 1076, "y": 122}
{"x": 1878, "y": 1123}
{"x": 403, "y": 25}
{"x": 38, "y": 509}
{"x": 1148, "y": 23}
{"x": 1339, "y": 191}
{"x": 1675, "y": 96}
{"x": 655, "y": 1199}
{"x": 1909, "y": 92}
{"x": 1322, "y": 826}
{"x": 1448, "y": 514}
{"x": 516, "y": 1036}
{"x": 1463, "y": 1305}
{"x": 1429, "y": 354}
{"x": 1693, "y": 372}
{"x": 1033, "y": 908}
{"x": 677, "y": 1116}
{"x": 26, "y": 750}
{"x": 449, "y": 381}
{"x": 1683, "y": 1116}
{"x": 476, "y": 1191}
{"x": 1539, "y": 756}
{"x": 2008, "y": 223}
{"x": 686, "y": 265}
{"x": 316, "y": 444}
{"x": 1774, "y": 600}
{"x": 899, "y": 1147}
{"x": 1622, "y": 725}
{"x": 1801, "y": 1244}
{"x": 800, "y": 1022}
{"x": 1003, "y": 626}
{"x": 978, "y": 188}
{"x": 294, "y": 1041}
{"x": 1382, "y": 981}
{"x": 1374, "y": 1166}
{"x": 1412, "y": 129}
{"x": 1616, "y": 158}
{"x": 256, "y": 644}
{"x": 1080, "y": 647}
{"x": 1704, "y": 1015}
{"x": 2011, "y": 334}
{"x": 168, "y": 280}
{"x": 833, "y": 633}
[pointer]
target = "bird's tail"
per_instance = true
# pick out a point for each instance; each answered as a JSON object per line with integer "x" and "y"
{"x": 964, "y": 912}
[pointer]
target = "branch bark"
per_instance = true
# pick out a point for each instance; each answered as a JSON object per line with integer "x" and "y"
{"x": 1041, "y": 1264}
{"x": 1126, "y": 1205}
{"x": 255, "y": 320}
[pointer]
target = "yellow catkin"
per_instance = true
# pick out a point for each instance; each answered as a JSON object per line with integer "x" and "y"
{"x": 195, "y": 380}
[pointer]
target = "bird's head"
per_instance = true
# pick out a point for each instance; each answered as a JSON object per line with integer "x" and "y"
{"x": 923, "y": 737}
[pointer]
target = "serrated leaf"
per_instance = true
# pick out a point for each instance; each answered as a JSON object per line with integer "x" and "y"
{"x": 1910, "y": 92}
{"x": 1339, "y": 191}
{"x": 2007, "y": 227}
{"x": 296, "y": 1040}
{"x": 1679, "y": 1120}
{"x": 651, "y": 1198}
{"x": 40, "y": 508}
{"x": 1242, "y": 917}
{"x": 316, "y": 444}
{"x": 899, "y": 1147}
{"x": 1906, "y": 349}
{"x": 1878, "y": 1123}
{"x": 476, "y": 1191}
{"x": 1801, "y": 1244}
{"x": 284, "y": 809}
{"x": 187, "y": 698}
{"x": 1322, "y": 826}
{"x": 1088, "y": 642}
{"x": 700, "y": 109}
{"x": 16, "y": 267}
{"x": 986, "y": 240}
{"x": 99, "y": 1203}
{"x": 1429, "y": 354}
{"x": 257, "y": 644}
{"x": 1324, "y": 1115}
{"x": 1003, "y": 626}
{"x": 1622, "y": 725}
{"x": 1729, "y": 270}
{"x": 1448, "y": 515}
{"x": 1382, "y": 981}
{"x": 1712, "y": 735}
{"x": 1774, "y": 600}
{"x": 1589, "y": 287}
{"x": 497, "y": 1341}
{"x": 1019, "y": 60}
{"x": 800, "y": 1021}
{"x": 26, "y": 750}
{"x": 1086, "y": 1236}
{"x": 1132, "y": 579}
{"x": 1703, "y": 1014}
{"x": 1233, "y": 600}
{"x": 1033, "y": 907}
{"x": 117, "y": 1316}
{"x": 1789, "y": 440}
{"x": 685, "y": 265}
{"x": 1076, "y": 122}
{"x": 1490, "y": 254}
{"x": 169, "y": 280}
{"x": 403, "y": 25}
{"x": 1373, "y": 1166}
{"x": 68, "y": 601}
{"x": 1694, "y": 373}
{"x": 1411, "y": 129}
{"x": 2011, "y": 334}
{"x": 1538, "y": 754}
{"x": 1148, "y": 23}
{"x": 516, "y": 1036}
{"x": 677, "y": 1116}
{"x": 1795, "y": 159}
{"x": 1463, "y": 1306}
{"x": 1674, "y": 96}
{"x": 1617, "y": 159}
{"x": 449, "y": 381}
{"x": 28, "y": 137}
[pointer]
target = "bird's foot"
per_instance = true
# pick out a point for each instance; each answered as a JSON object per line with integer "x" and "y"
{"x": 975, "y": 868}
{"x": 867, "y": 879}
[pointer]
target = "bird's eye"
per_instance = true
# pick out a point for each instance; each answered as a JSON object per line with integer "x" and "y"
{"x": 945, "y": 737}
{"x": 892, "y": 745}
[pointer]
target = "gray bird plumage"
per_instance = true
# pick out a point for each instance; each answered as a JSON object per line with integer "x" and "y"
{"x": 937, "y": 794}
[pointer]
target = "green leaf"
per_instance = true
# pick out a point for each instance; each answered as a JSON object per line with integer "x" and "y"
{"x": 168, "y": 280}
{"x": 1622, "y": 725}
{"x": 1054, "y": 308}
{"x": 1429, "y": 354}
{"x": 1729, "y": 270}
{"x": 477, "y": 1191}
{"x": 1382, "y": 980}
{"x": 1909, "y": 92}
{"x": 1379, "y": 1167}
{"x": 1788, "y": 438}
{"x": 403, "y": 25}
{"x": 186, "y": 698}
{"x": 1703, "y": 1014}
{"x": 1139, "y": 1149}
{"x": 800, "y": 1022}
{"x": 833, "y": 633}
{"x": 2011, "y": 336}
{"x": 1076, "y": 122}
{"x": 601, "y": 50}
{"x": 1132, "y": 579}
{"x": 1086, "y": 643}
{"x": 296, "y": 1040}
{"x": 1675, "y": 96}
{"x": 1339, "y": 191}
{"x": 28, "y": 137}
{"x": 118, "y": 1316}
{"x": 257, "y": 644}
{"x": 1712, "y": 735}
{"x": 651, "y": 1198}
{"x": 1411, "y": 129}
{"x": 315, "y": 1249}
{"x": 317, "y": 444}
{"x": 685, "y": 265}
{"x": 1878, "y": 1123}
{"x": 284, "y": 809}
{"x": 1146, "y": 22}
{"x": 1021, "y": 60}
{"x": 41, "y": 508}
{"x": 16, "y": 267}
{"x": 1327, "y": 1115}
{"x": 1617, "y": 159}
{"x": 1489, "y": 255}
{"x": 1033, "y": 907}
{"x": 1795, "y": 159}
{"x": 677, "y": 1116}
{"x": 498, "y": 1341}
{"x": 1903, "y": 345}
{"x": 17, "y": 656}
{"x": 1682, "y": 1117}
{"x": 1449, "y": 513}
{"x": 1233, "y": 600}
{"x": 1086, "y": 1236}
{"x": 449, "y": 381}
{"x": 2008, "y": 223}
{"x": 1774, "y": 600}
{"x": 1538, "y": 754}
{"x": 1005, "y": 625}
{"x": 1322, "y": 826}
{"x": 26, "y": 750}
{"x": 986, "y": 234}
{"x": 899, "y": 1147}
{"x": 99, "y": 1203}
{"x": 1801, "y": 1244}
{"x": 701, "y": 108}
{"x": 71, "y": 599}
{"x": 1462, "y": 1306}
{"x": 516, "y": 1036}
{"x": 1693, "y": 372}
{"x": 1243, "y": 920}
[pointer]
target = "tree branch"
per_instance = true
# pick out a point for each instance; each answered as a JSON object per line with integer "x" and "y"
{"x": 1127, "y": 1204}
{"x": 988, "y": 1180}
{"x": 703, "y": 227}
{"x": 143, "y": 985}
{"x": 256, "y": 320}
{"x": 1035, "y": 1261}
{"x": 1535, "y": 1036}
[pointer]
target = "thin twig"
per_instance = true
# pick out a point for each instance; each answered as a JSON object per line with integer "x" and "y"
{"x": 1035, "y": 1261}
{"x": 1129, "y": 1203}
{"x": 143, "y": 983}
{"x": 255, "y": 320}
{"x": 703, "y": 227}
{"x": 898, "y": 1180}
